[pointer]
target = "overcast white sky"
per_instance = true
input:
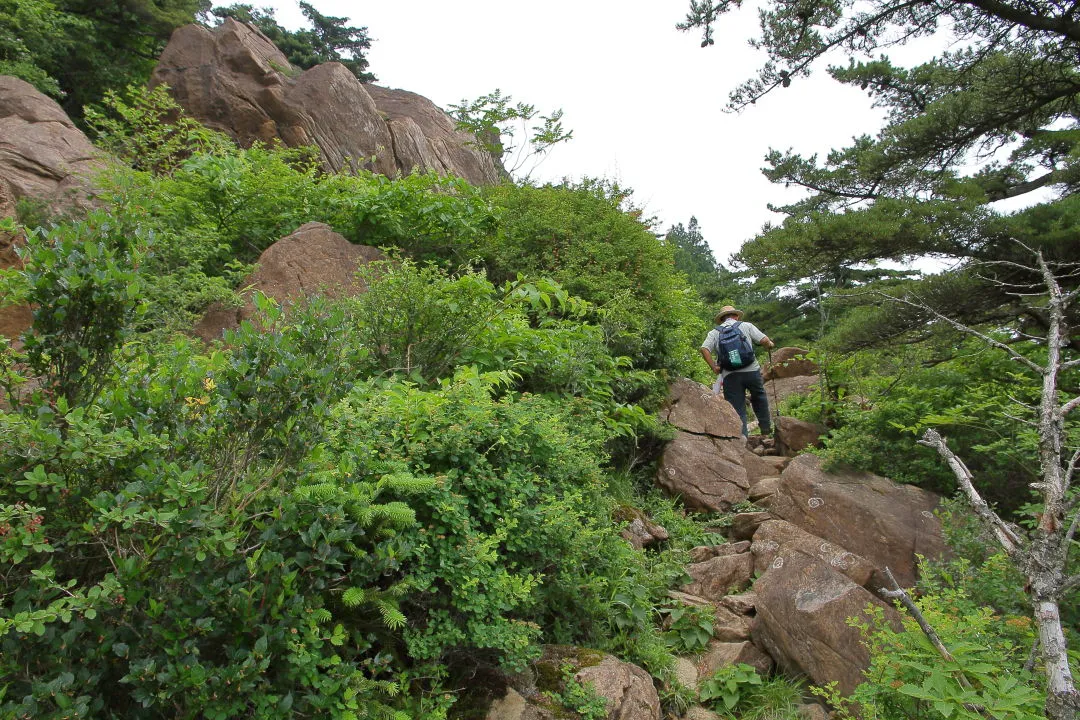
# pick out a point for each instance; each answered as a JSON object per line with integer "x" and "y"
{"x": 644, "y": 100}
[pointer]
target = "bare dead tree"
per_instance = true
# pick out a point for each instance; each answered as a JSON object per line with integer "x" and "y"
{"x": 1042, "y": 554}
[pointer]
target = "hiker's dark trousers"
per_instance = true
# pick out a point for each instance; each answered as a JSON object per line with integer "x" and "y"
{"x": 736, "y": 385}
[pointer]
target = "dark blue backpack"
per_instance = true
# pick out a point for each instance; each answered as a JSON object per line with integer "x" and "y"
{"x": 733, "y": 348}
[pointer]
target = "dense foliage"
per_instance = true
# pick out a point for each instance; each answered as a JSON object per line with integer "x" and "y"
{"x": 340, "y": 510}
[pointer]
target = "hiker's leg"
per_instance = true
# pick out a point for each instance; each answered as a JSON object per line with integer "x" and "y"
{"x": 759, "y": 401}
{"x": 735, "y": 393}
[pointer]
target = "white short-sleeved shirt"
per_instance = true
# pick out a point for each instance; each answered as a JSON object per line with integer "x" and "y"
{"x": 749, "y": 331}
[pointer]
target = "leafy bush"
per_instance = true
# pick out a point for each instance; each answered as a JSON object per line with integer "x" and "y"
{"x": 689, "y": 629}
{"x": 81, "y": 281}
{"x": 737, "y": 691}
{"x": 908, "y": 679}
{"x": 881, "y": 403}
{"x": 581, "y": 237}
{"x": 150, "y": 131}
{"x": 515, "y": 535}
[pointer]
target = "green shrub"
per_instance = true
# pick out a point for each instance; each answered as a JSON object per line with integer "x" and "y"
{"x": 737, "y": 691}
{"x": 689, "y": 629}
{"x": 516, "y": 535}
{"x": 581, "y": 237}
{"x": 81, "y": 281}
{"x": 907, "y": 678}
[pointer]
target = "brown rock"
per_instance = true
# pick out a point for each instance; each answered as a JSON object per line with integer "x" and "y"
{"x": 697, "y": 712}
{"x": 694, "y": 408}
{"x": 812, "y": 711}
{"x": 14, "y": 319}
{"x": 789, "y": 362}
{"x": 886, "y": 523}
{"x": 730, "y": 626}
{"x": 777, "y": 538}
{"x": 720, "y": 576}
{"x": 425, "y": 138}
{"x": 776, "y": 464}
{"x": 802, "y": 609}
{"x": 741, "y": 604}
{"x": 689, "y": 600}
{"x": 686, "y": 672}
{"x": 704, "y": 471}
{"x": 628, "y": 689}
{"x": 640, "y": 530}
{"x": 234, "y": 79}
{"x": 794, "y": 435}
{"x": 744, "y": 525}
{"x": 705, "y": 552}
{"x": 763, "y": 488}
{"x": 312, "y": 260}
{"x": 513, "y": 706}
{"x": 722, "y": 654}
{"x": 780, "y": 389}
{"x": 42, "y": 154}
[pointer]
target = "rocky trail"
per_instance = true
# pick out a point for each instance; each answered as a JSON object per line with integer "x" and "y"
{"x": 783, "y": 577}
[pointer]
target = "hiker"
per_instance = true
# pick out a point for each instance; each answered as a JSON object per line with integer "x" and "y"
{"x": 738, "y": 367}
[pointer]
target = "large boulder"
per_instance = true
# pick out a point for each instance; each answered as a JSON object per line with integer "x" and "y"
{"x": 233, "y": 79}
{"x": 795, "y": 435}
{"x": 779, "y": 538}
{"x": 705, "y": 472}
{"x": 719, "y": 576}
{"x": 721, "y": 654}
{"x": 425, "y": 138}
{"x": 43, "y": 157}
{"x": 627, "y": 689}
{"x": 514, "y": 706}
{"x": 884, "y": 522}
{"x": 802, "y": 609}
{"x": 14, "y": 319}
{"x": 694, "y": 408}
{"x": 780, "y": 389}
{"x": 42, "y": 154}
{"x": 312, "y": 260}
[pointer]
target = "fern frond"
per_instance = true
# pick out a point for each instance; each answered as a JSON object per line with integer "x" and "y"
{"x": 353, "y": 597}
{"x": 391, "y": 616}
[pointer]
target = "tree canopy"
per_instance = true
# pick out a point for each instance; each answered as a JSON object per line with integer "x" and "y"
{"x": 75, "y": 50}
{"x": 993, "y": 117}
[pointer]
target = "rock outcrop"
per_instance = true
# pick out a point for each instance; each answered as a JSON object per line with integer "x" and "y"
{"x": 312, "y": 260}
{"x": 627, "y": 690}
{"x": 43, "y": 157}
{"x": 817, "y": 548}
{"x": 234, "y": 79}
{"x": 789, "y": 362}
{"x": 42, "y": 154}
{"x": 707, "y": 465}
{"x": 886, "y": 523}
{"x": 802, "y": 610}
{"x": 794, "y": 435}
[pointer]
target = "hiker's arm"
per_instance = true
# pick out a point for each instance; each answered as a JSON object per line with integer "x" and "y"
{"x": 767, "y": 342}
{"x": 708, "y": 358}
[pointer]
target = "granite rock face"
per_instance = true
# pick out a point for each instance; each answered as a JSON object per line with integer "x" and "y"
{"x": 884, "y": 522}
{"x": 235, "y": 80}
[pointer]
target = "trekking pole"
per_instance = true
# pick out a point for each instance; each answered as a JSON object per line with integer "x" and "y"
{"x": 776, "y": 403}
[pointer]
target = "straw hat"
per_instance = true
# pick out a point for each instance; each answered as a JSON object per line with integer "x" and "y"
{"x": 725, "y": 311}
